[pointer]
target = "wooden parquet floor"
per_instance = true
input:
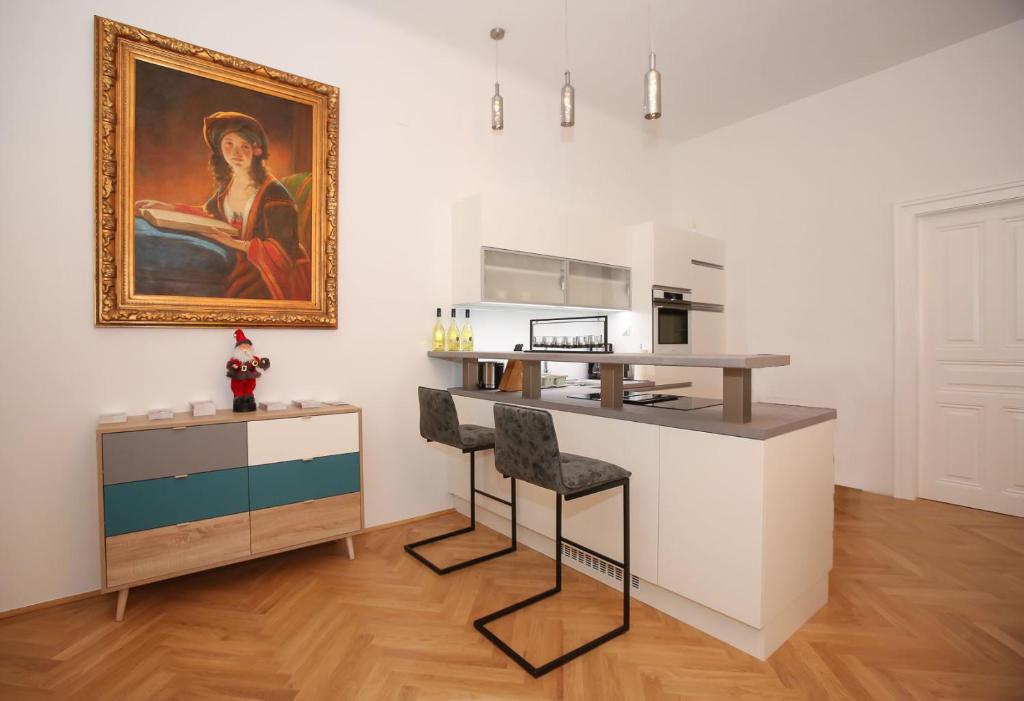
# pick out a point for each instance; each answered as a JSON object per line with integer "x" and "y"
{"x": 927, "y": 602}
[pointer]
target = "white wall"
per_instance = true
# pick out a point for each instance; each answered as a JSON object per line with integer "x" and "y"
{"x": 804, "y": 195}
{"x": 401, "y": 169}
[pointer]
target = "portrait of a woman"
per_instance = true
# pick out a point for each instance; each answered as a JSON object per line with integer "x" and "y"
{"x": 269, "y": 259}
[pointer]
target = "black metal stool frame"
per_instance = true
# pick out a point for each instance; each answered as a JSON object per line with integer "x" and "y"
{"x": 481, "y": 623}
{"x": 473, "y": 491}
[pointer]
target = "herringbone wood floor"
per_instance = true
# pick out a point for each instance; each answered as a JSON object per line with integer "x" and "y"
{"x": 927, "y": 601}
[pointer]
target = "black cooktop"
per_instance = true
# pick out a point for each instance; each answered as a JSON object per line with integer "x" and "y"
{"x": 650, "y": 398}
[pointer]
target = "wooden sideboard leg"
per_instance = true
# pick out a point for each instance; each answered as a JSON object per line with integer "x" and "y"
{"x": 122, "y": 601}
{"x": 351, "y": 548}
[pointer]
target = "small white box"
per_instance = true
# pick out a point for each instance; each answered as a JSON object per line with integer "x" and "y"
{"x": 163, "y": 413}
{"x": 203, "y": 408}
{"x": 118, "y": 417}
{"x": 273, "y": 406}
{"x": 307, "y": 403}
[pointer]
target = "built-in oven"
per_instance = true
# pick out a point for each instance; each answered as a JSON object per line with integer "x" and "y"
{"x": 671, "y": 309}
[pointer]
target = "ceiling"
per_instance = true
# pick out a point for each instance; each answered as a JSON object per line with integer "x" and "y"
{"x": 721, "y": 60}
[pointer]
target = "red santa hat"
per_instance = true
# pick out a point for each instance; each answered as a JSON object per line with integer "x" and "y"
{"x": 240, "y": 338}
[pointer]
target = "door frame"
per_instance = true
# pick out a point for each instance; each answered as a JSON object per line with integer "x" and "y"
{"x": 907, "y": 318}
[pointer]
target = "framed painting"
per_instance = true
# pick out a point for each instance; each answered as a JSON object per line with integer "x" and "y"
{"x": 216, "y": 188}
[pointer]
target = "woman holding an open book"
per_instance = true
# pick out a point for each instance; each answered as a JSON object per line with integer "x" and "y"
{"x": 270, "y": 261}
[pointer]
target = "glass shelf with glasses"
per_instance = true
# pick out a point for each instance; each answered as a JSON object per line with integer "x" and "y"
{"x": 576, "y": 334}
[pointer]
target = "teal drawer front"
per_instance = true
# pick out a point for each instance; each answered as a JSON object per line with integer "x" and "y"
{"x": 298, "y": 480}
{"x": 146, "y": 504}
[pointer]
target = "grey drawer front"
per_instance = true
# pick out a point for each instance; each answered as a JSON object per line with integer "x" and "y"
{"x": 163, "y": 452}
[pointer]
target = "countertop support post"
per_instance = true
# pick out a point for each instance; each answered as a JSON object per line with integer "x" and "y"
{"x": 736, "y": 395}
{"x": 470, "y": 372}
{"x": 531, "y": 379}
{"x": 611, "y": 385}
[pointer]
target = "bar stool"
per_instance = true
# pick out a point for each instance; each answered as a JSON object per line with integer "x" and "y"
{"x": 439, "y": 422}
{"x": 526, "y": 448}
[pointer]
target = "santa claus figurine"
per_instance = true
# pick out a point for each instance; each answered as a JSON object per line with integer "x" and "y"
{"x": 243, "y": 369}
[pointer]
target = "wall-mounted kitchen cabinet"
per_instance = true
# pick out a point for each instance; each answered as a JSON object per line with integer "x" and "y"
{"x": 517, "y": 252}
{"x": 515, "y": 277}
{"x": 524, "y": 278}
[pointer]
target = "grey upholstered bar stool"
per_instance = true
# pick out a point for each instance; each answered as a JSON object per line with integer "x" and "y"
{"x": 526, "y": 448}
{"x": 439, "y": 422}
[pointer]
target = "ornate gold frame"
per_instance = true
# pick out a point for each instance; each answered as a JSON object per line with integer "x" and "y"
{"x": 117, "y": 47}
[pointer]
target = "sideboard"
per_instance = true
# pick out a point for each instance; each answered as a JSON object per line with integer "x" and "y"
{"x": 187, "y": 494}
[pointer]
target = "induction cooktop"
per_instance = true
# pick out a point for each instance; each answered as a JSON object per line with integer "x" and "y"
{"x": 651, "y": 398}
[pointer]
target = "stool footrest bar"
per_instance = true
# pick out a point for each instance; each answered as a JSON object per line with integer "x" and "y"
{"x": 506, "y": 502}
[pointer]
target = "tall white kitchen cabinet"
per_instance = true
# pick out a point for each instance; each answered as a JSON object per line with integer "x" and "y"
{"x": 672, "y": 257}
{"x": 510, "y": 250}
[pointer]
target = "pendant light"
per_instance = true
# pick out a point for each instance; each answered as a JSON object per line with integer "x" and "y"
{"x": 568, "y": 91}
{"x": 497, "y": 103}
{"x": 652, "y": 79}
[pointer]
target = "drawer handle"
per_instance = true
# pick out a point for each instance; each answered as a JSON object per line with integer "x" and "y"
{"x": 180, "y": 477}
{"x": 305, "y": 418}
{"x": 309, "y": 501}
{"x": 308, "y": 459}
{"x": 178, "y": 428}
{"x": 183, "y": 524}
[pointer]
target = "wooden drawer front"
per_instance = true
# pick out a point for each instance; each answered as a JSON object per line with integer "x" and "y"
{"x": 278, "y": 440}
{"x": 299, "y": 480}
{"x": 159, "y": 552}
{"x": 307, "y": 521}
{"x": 163, "y": 452}
{"x": 139, "y": 506}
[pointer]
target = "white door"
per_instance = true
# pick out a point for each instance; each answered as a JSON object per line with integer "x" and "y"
{"x": 972, "y": 358}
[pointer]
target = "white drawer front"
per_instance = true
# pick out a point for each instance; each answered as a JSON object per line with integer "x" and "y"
{"x": 277, "y": 440}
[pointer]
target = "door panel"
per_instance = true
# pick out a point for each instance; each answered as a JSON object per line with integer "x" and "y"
{"x": 972, "y": 358}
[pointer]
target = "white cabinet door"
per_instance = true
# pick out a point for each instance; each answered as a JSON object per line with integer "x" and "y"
{"x": 671, "y": 258}
{"x": 522, "y": 226}
{"x": 711, "y": 521}
{"x": 705, "y": 249}
{"x": 597, "y": 240}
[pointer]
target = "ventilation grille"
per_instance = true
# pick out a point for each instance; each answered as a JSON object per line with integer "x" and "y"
{"x": 597, "y": 564}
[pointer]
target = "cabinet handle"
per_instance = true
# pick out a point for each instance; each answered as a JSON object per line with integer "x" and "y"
{"x": 307, "y": 459}
{"x": 178, "y": 428}
{"x": 309, "y": 501}
{"x": 180, "y": 477}
{"x": 182, "y": 524}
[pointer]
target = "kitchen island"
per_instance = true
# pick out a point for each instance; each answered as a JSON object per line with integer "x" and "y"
{"x": 731, "y": 526}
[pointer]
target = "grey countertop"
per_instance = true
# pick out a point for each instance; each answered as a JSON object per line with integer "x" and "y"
{"x": 767, "y": 420}
{"x": 681, "y": 360}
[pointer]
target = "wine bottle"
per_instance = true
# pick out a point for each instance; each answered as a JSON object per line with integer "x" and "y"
{"x": 438, "y": 343}
{"x": 467, "y": 334}
{"x": 452, "y": 342}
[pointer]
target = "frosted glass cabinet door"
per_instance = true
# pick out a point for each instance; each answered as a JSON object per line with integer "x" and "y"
{"x": 522, "y": 277}
{"x": 596, "y": 285}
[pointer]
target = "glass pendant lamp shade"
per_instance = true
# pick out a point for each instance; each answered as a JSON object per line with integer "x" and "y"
{"x": 568, "y": 103}
{"x": 497, "y": 109}
{"x": 652, "y": 91}
{"x": 497, "y": 103}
